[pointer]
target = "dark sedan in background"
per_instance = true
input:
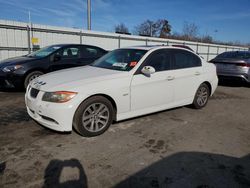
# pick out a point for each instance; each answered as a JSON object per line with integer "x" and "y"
{"x": 233, "y": 65}
{"x": 19, "y": 71}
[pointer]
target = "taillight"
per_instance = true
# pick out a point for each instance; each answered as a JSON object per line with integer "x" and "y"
{"x": 243, "y": 64}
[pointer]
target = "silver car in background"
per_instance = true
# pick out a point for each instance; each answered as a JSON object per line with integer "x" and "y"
{"x": 233, "y": 65}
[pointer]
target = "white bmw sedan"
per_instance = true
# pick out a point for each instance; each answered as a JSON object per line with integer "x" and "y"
{"x": 124, "y": 83}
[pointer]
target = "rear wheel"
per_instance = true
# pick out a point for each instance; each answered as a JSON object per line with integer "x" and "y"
{"x": 201, "y": 96}
{"x": 31, "y": 76}
{"x": 94, "y": 116}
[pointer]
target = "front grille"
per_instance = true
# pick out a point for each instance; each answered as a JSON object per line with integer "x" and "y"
{"x": 34, "y": 92}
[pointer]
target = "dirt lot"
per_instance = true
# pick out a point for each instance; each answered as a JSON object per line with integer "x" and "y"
{"x": 182, "y": 147}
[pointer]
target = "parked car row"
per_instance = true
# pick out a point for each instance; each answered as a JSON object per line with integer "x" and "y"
{"x": 122, "y": 84}
{"x": 114, "y": 86}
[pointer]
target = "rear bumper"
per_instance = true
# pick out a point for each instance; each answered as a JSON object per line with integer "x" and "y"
{"x": 214, "y": 84}
{"x": 236, "y": 73}
{"x": 234, "y": 76}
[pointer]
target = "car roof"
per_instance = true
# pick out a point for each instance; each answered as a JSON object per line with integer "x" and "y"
{"x": 72, "y": 44}
{"x": 224, "y": 54}
{"x": 151, "y": 47}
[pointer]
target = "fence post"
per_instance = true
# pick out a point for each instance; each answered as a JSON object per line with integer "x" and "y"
{"x": 28, "y": 35}
{"x": 119, "y": 41}
{"x": 146, "y": 42}
{"x": 80, "y": 37}
{"x": 208, "y": 52}
{"x": 197, "y": 48}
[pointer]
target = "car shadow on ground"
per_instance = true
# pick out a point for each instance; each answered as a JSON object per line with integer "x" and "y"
{"x": 13, "y": 116}
{"x": 194, "y": 170}
{"x": 233, "y": 83}
{"x": 12, "y": 90}
{"x": 2, "y": 167}
{"x": 67, "y": 173}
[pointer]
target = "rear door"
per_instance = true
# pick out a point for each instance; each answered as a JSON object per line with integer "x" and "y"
{"x": 89, "y": 54}
{"x": 187, "y": 71}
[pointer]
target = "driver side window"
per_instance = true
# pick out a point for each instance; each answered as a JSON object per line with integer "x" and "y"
{"x": 70, "y": 53}
{"x": 160, "y": 60}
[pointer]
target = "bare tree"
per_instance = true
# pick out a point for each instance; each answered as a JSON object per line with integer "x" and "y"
{"x": 121, "y": 28}
{"x": 165, "y": 28}
{"x": 159, "y": 28}
{"x": 190, "y": 31}
{"x": 146, "y": 28}
{"x": 207, "y": 39}
{"x": 248, "y": 45}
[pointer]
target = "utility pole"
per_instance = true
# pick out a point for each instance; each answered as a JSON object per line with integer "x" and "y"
{"x": 89, "y": 14}
{"x": 31, "y": 34}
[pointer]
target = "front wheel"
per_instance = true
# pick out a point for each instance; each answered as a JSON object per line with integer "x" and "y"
{"x": 31, "y": 76}
{"x": 201, "y": 96}
{"x": 94, "y": 116}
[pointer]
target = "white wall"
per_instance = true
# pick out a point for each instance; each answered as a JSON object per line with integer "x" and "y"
{"x": 14, "y": 41}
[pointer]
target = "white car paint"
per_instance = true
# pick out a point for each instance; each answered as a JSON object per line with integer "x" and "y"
{"x": 134, "y": 95}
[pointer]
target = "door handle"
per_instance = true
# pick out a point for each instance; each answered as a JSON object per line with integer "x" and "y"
{"x": 197, "y": 73}
{"x": 169, "y": 78}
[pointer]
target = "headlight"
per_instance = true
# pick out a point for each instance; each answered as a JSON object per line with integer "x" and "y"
{"x": 12, "y": 68}
{"x": 58, "y": 96}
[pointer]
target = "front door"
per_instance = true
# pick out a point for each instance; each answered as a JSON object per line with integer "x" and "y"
{"x": 157, "y": 89}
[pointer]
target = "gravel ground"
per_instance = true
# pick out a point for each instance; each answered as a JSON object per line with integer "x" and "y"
{"x": 181, "y": 147}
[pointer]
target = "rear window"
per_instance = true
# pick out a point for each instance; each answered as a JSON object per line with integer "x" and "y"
{"x": 184, "y": 59}
{"x": 234, "y": 55}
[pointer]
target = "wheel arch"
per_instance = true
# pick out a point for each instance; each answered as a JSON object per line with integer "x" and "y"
{"x": 105, "y": 96}
{"x": 33, "y": 70}
{"x": 209, "y": 86}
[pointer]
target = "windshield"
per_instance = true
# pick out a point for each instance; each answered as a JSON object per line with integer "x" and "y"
{"x": 121, "y": 59}
{"x": 44, "y": 51}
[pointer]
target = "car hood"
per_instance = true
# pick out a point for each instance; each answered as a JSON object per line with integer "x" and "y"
{"x": 74, "y": 78}
{"x": 16, "y": 60}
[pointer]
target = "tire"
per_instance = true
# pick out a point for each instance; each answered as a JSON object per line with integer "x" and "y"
{"x": 201, "y": 96}
{"x": 31, "y": 76}
{"x": 94, "y": 116}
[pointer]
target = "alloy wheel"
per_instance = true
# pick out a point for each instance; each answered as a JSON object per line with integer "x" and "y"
{"x": 202, "y": 96}
{"x": 95, "y": 117}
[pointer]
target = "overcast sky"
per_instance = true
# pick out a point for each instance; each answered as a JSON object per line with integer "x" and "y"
{"x": 230, "y": 18}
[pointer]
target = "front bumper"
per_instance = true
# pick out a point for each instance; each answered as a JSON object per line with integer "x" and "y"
{"x": 56, "y": 116}
{"x": 9, "y": 80}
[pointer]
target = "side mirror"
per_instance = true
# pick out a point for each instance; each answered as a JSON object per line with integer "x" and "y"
{"x": 57, "y": 58}
{"x": 148, "y": 70}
